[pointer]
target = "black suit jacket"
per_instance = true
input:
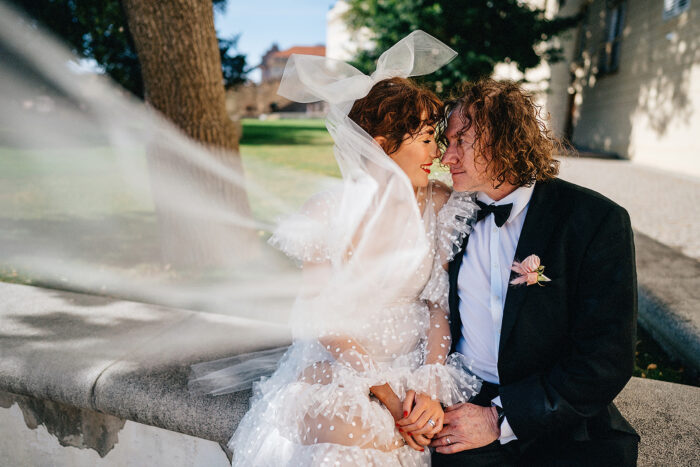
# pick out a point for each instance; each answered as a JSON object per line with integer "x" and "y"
{"x": 567, "y": 347}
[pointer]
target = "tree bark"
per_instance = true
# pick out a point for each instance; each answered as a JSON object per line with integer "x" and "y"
{"x": 181, "y": 67}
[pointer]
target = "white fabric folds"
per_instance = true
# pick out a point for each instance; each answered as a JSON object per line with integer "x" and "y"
{"x": 368, "y": 312}
{"x": 310, "y": 78}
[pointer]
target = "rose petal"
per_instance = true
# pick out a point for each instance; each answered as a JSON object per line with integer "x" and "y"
{"x": 531, "y": 263}
{"x": 519, "y": 280}
{"x": 517, "y": 267}
{"x": 531, "y": 278}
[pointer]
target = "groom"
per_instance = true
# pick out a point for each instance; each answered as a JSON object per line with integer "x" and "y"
{"x": 555, "y": 350}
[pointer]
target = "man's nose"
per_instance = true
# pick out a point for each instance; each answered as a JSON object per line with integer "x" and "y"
{"x": 449, "y": 157}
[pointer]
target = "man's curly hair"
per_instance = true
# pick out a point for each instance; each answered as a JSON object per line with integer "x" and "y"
{"x": 510, "y": 133}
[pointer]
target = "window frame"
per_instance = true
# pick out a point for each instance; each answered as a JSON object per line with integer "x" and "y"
{"x": 673, "y": 8}
{"x": 609, "y": 51}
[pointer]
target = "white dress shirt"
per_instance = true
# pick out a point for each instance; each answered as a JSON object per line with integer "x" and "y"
{"x": 482, "y": 285}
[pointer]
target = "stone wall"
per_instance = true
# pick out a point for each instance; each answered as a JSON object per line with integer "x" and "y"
{"x": 646, "y": 110}
{"x": 110, "y": 377}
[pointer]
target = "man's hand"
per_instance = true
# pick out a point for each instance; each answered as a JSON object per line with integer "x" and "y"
{"x": 467, "y": 426}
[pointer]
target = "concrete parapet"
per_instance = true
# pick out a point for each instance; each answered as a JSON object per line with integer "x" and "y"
{"x": 667, "y": 418}
{"x": 121, "y": 358}
{"x": 103, "y": 360}
{"x": 669, "y": 298}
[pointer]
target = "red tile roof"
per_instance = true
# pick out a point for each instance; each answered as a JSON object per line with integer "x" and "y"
{"x": 312, "y": 50}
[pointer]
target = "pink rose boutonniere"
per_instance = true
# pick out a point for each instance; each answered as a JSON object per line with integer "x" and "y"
{"x": 530, "y": 271}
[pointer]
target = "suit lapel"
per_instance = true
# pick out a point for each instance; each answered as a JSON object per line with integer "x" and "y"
{"x": 453, "y": 272}
{"x": 537, "y": 229}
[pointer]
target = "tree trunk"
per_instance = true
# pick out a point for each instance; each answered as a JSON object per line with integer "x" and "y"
{"x": 181, "y": 67}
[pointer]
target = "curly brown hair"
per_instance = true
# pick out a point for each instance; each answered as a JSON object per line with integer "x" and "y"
{"x": 510, "y": 132}
{"x": 397, "y": 109}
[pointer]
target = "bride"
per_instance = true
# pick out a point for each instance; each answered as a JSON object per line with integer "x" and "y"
{"x": 367, "y": 373}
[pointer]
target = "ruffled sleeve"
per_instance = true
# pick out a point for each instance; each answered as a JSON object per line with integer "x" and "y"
{"x": 454, "y": 223}
{"x": 450, "y": 383}
{"x": 306, "y": 236}
{"x": 441, "y": 376}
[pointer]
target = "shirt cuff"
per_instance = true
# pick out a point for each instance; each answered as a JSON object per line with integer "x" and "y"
{"x": 507, "y": 434}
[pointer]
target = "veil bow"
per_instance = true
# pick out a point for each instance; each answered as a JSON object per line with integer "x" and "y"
{"x": 309, "y": 78}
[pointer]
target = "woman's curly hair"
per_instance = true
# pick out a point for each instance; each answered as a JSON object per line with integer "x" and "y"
{"x": 510, "y": 133}
{"x": 397, "y": 109}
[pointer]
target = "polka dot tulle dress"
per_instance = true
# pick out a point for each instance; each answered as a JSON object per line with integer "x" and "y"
{"x": 316, "y": 409}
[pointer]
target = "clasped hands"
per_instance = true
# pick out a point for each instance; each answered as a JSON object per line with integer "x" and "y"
{"x": 457, "y": 428}
{"x": 414, "y": 426}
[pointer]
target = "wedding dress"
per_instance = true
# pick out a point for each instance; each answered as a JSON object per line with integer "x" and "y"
{"x": 372, "y": 309}
{"x": 316, "y": 408}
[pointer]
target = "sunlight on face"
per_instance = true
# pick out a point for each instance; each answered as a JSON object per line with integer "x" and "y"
{"x": 467, "y": 168}
{"x": 415, "y": 156}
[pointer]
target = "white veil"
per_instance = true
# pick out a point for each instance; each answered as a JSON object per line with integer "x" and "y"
{"x": 100, "y": 194}
{"x": 366, "y": 239}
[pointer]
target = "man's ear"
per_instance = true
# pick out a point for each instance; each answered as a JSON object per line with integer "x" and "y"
{"x": 381, "y": 141}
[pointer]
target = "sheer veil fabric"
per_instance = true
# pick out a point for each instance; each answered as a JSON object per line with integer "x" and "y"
{"x": 367, "y": 236}
{"x": 373, "y": 290}
{"x": 99, "y": 194}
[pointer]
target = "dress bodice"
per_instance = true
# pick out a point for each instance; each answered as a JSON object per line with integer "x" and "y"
{"x": 388, "y": 315}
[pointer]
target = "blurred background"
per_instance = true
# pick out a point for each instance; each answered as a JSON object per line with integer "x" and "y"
{"x": 191, "y": 96}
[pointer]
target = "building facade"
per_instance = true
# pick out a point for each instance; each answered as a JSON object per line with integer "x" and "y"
{"x": 630, "y": 84}
{"x": 274, "y": 60}
{"x": 251, "y": 100}
{"x": 342, "y": 43}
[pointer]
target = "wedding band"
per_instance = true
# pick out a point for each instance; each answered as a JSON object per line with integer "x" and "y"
{"x": 447, "y": 441}
{"x": 432, "y": 423}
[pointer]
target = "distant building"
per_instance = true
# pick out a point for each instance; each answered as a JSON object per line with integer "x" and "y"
{"x": 252, "y": 100}
{"x": 274, "y": 60}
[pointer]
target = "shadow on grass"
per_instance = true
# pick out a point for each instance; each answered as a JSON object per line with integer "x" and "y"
{"x": 119, "y": 241}
{"x": 652, "y": 362}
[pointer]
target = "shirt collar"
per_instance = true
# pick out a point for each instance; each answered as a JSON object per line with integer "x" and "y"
{"x": 520, "y": 199}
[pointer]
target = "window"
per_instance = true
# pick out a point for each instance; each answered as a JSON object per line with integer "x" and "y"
{"x": 674, "y": 8}
{"x": 609, "y": 55}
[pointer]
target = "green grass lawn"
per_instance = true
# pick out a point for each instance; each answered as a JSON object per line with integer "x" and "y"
{"x": 652, "y": 362}
{"x": 108, "y": 191}
{"x": 289, "y": 160}
{"x": 303, "y": 145}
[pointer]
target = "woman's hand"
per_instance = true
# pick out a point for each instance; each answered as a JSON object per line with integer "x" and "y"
{"x": 392, "y": 402}
{"x": 421, "y": 409}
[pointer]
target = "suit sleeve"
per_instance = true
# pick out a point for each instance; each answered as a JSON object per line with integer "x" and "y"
{"x": 602, "y": 332}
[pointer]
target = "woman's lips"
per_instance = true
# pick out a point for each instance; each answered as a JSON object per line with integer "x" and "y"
{"x": 426, "y": 168}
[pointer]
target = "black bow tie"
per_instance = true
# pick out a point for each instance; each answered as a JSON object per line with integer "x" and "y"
{"x": 500, "y": 213}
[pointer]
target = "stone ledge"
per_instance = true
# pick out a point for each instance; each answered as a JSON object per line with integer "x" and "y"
{"x": 669, "y": 298}
{"x": 131, "y": 361}
{"x": 126, "y": 359}
{"x": 667, "y": 418}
